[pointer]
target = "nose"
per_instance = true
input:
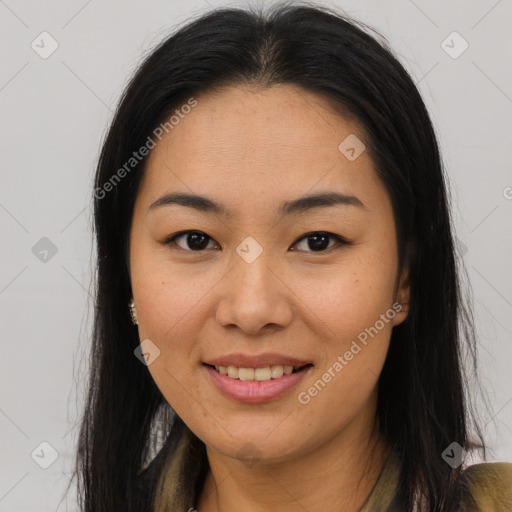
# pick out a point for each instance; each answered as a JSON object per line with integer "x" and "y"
{"x": 254, "y": 296}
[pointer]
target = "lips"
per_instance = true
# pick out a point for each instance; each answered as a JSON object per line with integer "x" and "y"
{"x": 256, "y": 391}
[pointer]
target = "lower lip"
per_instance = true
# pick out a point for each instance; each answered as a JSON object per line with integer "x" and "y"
{"x": 255, "y": 391}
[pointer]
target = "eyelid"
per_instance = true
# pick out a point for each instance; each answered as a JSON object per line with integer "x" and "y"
{"x": 170, "y": 240}
{"x": 341, "y": 241}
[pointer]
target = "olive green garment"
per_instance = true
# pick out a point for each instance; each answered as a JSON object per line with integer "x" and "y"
{"x": 491, "y": 483}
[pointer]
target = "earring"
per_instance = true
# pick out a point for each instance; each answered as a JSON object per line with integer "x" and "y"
{"x": 131, "y": 305}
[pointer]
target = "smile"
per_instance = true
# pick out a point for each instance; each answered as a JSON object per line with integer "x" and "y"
{"x": 256, "y": 385}
{"x": 259, "y": 374}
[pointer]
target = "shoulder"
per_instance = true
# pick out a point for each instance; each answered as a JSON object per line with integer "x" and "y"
{"x": 491, "y": 485}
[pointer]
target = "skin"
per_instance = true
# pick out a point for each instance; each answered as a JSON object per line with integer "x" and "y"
{"x": 250, "y": 149}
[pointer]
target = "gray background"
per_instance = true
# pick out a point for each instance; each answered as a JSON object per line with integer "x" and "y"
{"x": 54, "y": 114}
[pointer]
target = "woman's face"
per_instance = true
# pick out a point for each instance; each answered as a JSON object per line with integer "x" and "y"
{"x": 250, "y": 288}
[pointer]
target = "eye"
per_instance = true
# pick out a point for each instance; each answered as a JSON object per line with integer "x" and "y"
{"x": 195, "y": 241}
{"x": 318, "y": 241}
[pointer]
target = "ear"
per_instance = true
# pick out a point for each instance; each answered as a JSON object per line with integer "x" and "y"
{"x": 133, "y": 312}
{"x": 403, "y": 293}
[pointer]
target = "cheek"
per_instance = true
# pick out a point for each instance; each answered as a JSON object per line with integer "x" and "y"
{"x": 168, "y": 297}
{"x": 353, "y": 311}
{"x": 354, "y": 295}
{"x": 169, "y": 310}
{"x": 353, "y": 354}
{"x": 171, "y": 306}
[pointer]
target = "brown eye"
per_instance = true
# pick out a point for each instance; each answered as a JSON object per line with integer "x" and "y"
{"x": 319, "y": 241}
{"x": 194, "y": 241}
{"x": 197, "y": 241}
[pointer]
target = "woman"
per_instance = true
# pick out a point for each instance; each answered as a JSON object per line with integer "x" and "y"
{"x": 271, "y": 209}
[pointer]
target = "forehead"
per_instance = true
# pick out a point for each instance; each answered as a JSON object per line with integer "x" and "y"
{"x": 247, "y": 144}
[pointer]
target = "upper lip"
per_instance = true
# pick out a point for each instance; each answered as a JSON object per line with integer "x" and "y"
{"x": 256, "y": 361}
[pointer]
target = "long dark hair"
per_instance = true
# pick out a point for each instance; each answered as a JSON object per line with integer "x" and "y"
{"x": 423, "y": 401}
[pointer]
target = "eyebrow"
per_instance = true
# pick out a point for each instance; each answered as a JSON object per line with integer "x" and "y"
{"x": 301, "y": 205}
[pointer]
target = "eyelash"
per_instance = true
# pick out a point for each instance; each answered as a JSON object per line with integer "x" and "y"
{"x": 341, "y": 241}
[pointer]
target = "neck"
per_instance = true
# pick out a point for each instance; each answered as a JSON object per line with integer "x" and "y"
{"x": 338, "y": 475}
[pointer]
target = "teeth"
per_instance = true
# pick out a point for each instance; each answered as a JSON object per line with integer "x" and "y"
{"x": 259, "y": 374}
{"x": 246, "y": 373}
{"x": 262, "y": 373}
{"x": 233, "y": 372}
{"x": 276, "y": 371}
